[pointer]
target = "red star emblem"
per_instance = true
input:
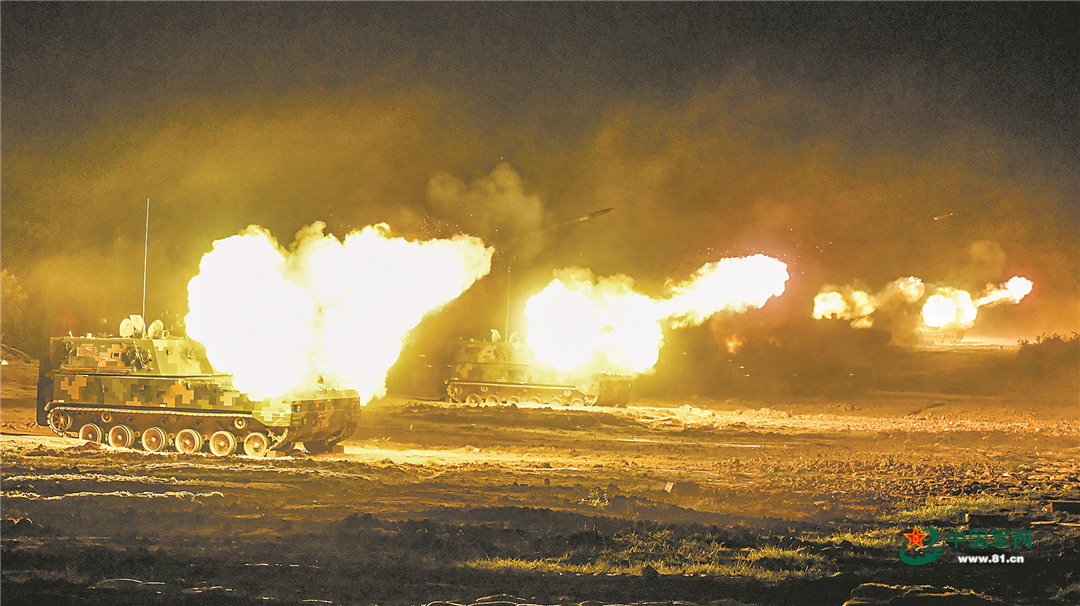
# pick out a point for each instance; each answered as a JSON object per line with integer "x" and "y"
{"x": 915, "y": 538}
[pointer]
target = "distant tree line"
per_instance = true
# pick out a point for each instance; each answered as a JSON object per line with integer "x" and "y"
{"x": 1050, "y": 356}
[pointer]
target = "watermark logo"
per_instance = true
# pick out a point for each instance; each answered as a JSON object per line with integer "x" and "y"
{"x": 923, "y": 540}
{"x": 992, "y": 538}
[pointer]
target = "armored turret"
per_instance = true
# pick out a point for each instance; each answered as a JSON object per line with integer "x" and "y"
{"x": 155, "y": 391}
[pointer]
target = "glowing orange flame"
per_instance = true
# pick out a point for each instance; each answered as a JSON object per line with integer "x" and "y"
{"x": 831, "y": 305}
{"x": 255, "y": 322}
{"x": 858, "y": 305}
{"x": 577, "y": 321}
{"x": 954, "y": 308}
{"x": 733, "y": 343}
{"x": 949, "y": 307}
{"x": 735, "y": 284}
{"x": 605, "y": 323}
{"x": 911, "y": 288}
{"x": 1010, "y": 292}
{"x": 563, "y": 326}
{"x": 330, "y": 311}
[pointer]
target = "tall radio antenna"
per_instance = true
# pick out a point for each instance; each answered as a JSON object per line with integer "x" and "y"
{"x": 146, "y": 243}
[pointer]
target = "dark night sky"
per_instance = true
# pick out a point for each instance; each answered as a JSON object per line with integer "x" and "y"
{"x": 828, "y": 135}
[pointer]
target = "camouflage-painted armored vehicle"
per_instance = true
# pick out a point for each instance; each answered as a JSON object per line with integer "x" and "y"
{"x": 494, "y": 372}
{"x": 161, "y": 393}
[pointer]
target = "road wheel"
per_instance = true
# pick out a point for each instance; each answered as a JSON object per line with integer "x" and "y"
{"x": 59, "y": 421}
{"x": 472, "y": 399}
{"x": 121, "y": 436}
{"x": 222, "y": 443}
{"x": 256, "y": 444}
{"x": 154, "y": 439}
{"x": 90, "y": 432}
{"x": 316, "y": 447}
{"x": 535, "y": 400}
{"x": 188, "y": 441}
{"x": 555, "y": 402}
{"x": 513, "y": 400}
{"x": 492, "y": 400}
{"x": 577, "y": 402}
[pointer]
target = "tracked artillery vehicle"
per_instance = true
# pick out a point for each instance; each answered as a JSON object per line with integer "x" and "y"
{"x": 496, "y": 372}
{"x": 159, "y": 392}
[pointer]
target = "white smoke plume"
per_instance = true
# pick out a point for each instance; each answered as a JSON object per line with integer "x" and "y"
{"x": 494, "y": 206}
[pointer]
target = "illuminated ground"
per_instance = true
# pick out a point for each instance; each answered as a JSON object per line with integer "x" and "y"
{"x": 700, "y": 501}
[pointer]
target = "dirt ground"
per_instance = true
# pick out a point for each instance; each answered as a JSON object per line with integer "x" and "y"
{"x": 794, "y": 501}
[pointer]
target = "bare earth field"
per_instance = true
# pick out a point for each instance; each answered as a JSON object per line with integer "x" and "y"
{"x": 796, "y": 501}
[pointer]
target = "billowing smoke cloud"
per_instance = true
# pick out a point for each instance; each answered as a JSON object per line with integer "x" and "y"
{"x": 987, "y": 261}
{"x": 495, "y": 207}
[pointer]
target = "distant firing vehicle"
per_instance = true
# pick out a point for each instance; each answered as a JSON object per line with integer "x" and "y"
{"x": 495, "y": 372}
{"x": 160, "y": 392}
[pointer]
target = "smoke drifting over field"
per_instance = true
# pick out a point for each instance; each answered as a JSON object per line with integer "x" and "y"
{"x": 852, "y": 143}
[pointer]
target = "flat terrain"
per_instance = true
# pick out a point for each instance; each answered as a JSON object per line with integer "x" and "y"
{"x": 793, "y": 501}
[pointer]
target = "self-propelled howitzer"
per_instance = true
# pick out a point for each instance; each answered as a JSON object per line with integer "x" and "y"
{"x": 161, "y": 393}
{"x": 495, "y": 372}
